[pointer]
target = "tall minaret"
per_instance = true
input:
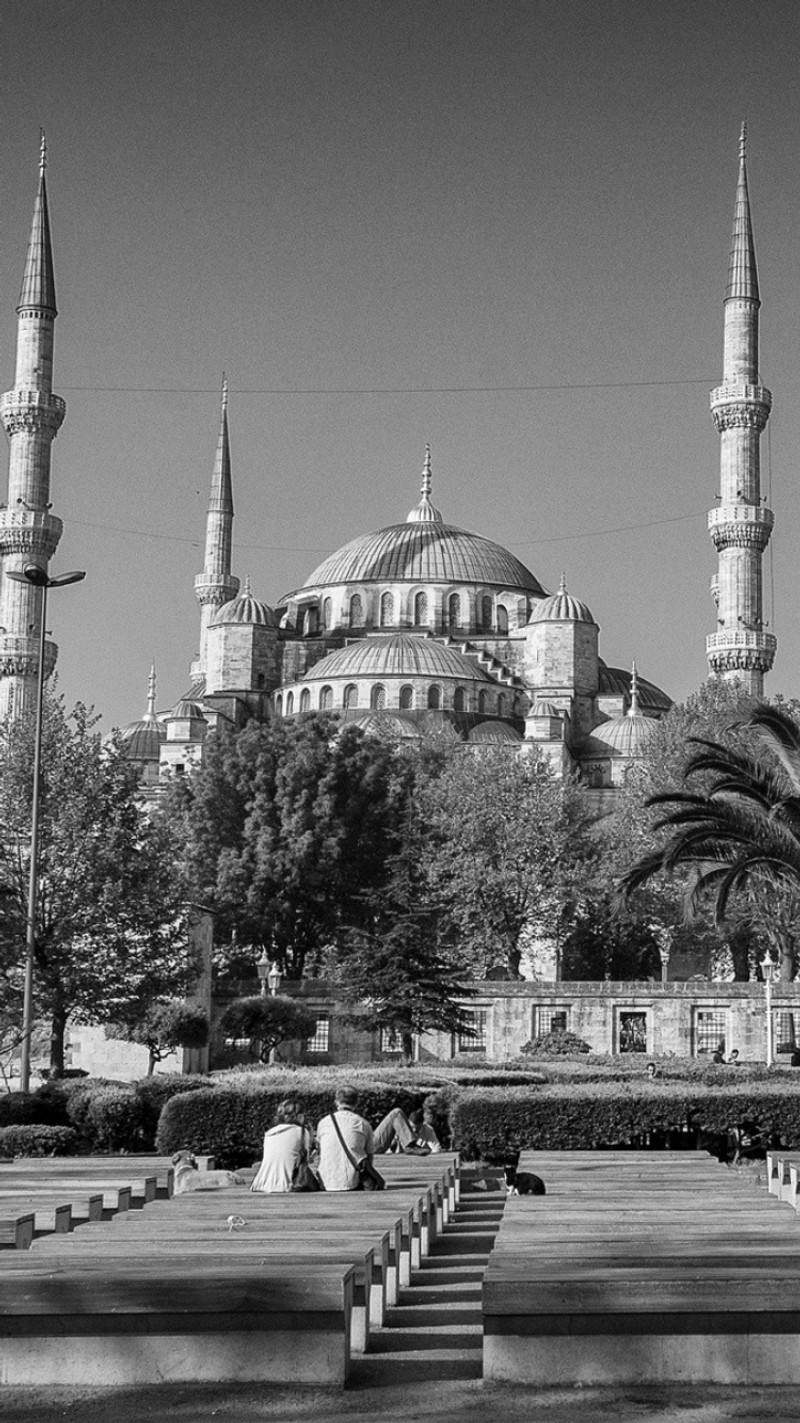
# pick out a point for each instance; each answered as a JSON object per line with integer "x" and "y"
{"x": 31, "y": 414}
{"x": 216, "y": 585}
{"x": 741, "y": 525}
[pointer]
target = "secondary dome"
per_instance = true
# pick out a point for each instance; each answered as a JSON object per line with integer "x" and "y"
{"x": 561, "y": 607}
{"x": 141, "y": 740}
{"x": 244, "y": 608}
{"x": 398, "y": 655}
{"x": 615, "y": 681}
{"x": 385, "y": 724}
{"x": 494, "y": 733}
{"x": 627, "y": 735}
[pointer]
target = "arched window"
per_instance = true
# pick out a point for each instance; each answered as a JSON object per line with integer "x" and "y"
{"x": 387, "y": 610}
{"x": 326, "y": 699}
{"x": 312, "y": 625}
{"x": 434, "y": 698}
{"x": 279, "y": 704}
{"x": 501, "y": 705}
{"x": 301, "y": 622}
{"x": 290, "y": 703}
{"x": 305, "y": 700}
{"x": 486, "y": 611}
{"x": 502, "y": 618}
{"x": 406, "y": 698}
{"x": 481, "y": 701}
{"x": 327, "y": 613}
{"x": 356, "y": 611}
{"x": 420, "y": 609}
{"x": 458, "y": 699}
{"x": 377, "y": 698}
{"x": 350, "y": 697}
{"x": 453, "y": 611}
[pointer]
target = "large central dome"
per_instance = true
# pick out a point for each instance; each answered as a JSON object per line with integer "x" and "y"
{"x": 424, "y": 553}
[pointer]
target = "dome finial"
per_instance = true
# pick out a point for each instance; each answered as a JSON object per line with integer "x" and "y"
{"x": 424, "y": 512}
{"x": 562, "y": 587}
{"x": 42, "y": 151}
{"x": 246, "y": 591}
{"x": 150, "y": 714}
{"x": 634, "y": 707}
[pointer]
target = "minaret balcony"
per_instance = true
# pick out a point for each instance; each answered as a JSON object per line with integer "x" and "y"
{"x": 741, "y": 526}
{"x": 19, "y": 656}
{"x": 29, "y": 531}
{"x": 741, "y": 406}
{"x": 743, "y": 651}
{"x": 32, "y": 411}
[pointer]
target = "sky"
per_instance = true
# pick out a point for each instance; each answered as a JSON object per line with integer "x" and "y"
{"x": 500, "y": 227}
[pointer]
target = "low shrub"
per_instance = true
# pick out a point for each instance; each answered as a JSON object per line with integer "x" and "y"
{"x": 558, "y": 1043}
{"x": 153, "y": 1093}
{"x": 228, "y": 1122}
{"x": 106, "y": 1117}
{"x": 44, "y": 1107}
{"x": 487, "y": 1123}
{"x": 37, "y": 1141}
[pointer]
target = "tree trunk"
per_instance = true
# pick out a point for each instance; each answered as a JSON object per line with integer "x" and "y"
{"x": 739, "y": 941}
{"x": 58, "y": 1030}
{"x": 407, "y": 1043}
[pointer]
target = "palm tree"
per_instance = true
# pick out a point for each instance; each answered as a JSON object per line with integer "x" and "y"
{"x": 741, "y": 833}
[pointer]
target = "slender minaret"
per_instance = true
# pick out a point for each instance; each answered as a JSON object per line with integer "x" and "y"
{"x": 741, "y": 525}
{"x": 216, "y": 585}
{"x": 31, "y": 414}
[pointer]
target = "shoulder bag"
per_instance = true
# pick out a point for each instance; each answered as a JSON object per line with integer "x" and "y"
{"x": 368, "y": 1178}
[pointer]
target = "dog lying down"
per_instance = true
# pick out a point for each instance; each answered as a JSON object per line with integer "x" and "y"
{"x": 188, "y": 1178}
{"x": 523, "y": 1183}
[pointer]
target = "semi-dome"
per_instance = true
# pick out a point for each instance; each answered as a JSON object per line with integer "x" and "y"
{"x": 385, "y": 724}
{"x": 494, "y": 733}
{"x": 615, "y": 681}
{"x": 397, "y": 655}
{"x": 185, "y": 710}
{"x": 244, "y": 608}
{"x": 561, "y": 607}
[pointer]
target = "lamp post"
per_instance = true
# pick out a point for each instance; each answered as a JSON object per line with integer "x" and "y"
{"x": 767, "y": 969}
{"x": 262, "y": 969}
{"x": 274, "y": 978}
{"x": 38, "y": 578}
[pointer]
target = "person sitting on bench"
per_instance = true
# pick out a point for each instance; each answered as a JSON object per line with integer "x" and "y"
{"x": 345, "y": 1131}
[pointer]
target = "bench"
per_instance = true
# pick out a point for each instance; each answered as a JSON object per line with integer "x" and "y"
{"x": 639, "y": 1271}
{"x": 16, "y": 1229}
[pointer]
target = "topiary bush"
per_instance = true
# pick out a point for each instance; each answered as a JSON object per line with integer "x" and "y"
{"x": 486, "y": 1124}
{"x": 37, "y": 1141}
{"x": 154, "y": 1092}
{"x": 229, "y": 1121}
{"x": 558, "y": 1043}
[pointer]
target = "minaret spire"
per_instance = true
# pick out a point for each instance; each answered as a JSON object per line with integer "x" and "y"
{"x": 31, "y": 415}
{"x": 150, "y": 714}
{"x": 633, "y": 710}
{"x": 216, "y": 585}
{"x": 741, "y": 525}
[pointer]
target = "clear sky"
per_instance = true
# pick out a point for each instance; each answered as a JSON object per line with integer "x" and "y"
{"x": 382, "y": 218}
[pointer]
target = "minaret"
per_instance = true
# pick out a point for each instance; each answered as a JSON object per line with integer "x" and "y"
{"x": 741, "y": 525}
{"x": 31, "y": 415}
{"x": 215, "y": 585}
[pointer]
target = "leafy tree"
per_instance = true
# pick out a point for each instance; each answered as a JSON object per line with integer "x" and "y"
{"x": 400, "y": 964}
{"x": 507, "y": 854}
{"x": 284, "y": 826}
{"x": 740, "y": 831}
{"x": 110, "y": 927}
{"x": 164, "y": 1026}
{"x": 268, "y": 1022}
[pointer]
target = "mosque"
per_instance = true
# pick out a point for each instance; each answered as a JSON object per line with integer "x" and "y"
{"x": 418, "y": 629}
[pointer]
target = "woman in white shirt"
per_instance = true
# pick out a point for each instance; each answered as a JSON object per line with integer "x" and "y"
{"x": 287, "y": 1145}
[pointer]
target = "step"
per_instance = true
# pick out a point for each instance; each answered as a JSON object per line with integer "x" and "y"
{"x": 447, "y": 1291}
{"x": 458, "y": 1314}
{"x": 460, "y": 1276}
{"x": 434, "y": 1365}
{"x": 392, "y": 1340}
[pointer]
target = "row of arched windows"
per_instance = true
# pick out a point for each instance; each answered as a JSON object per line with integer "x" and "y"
{"x": 457, "y": 613}
{"x": 409, "y": 700}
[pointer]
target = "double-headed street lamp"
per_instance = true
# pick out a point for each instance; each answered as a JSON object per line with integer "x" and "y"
{"x": 38, "y": 578}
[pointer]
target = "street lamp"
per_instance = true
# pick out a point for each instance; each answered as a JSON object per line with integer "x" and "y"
{"x": 767, "y": 970}
{"x": 262, "y": 969}
{"x": 38, "y": 578}
{"x": 274, "y": 978}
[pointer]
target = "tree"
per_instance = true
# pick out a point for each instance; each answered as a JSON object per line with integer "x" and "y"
{"x": 268, "y": 1022}
{"x": 507, "y": 854}
{"x": 740, "y": 832}
{"x": 110, "y": 926}
{"x": 163, "y": 1027}
{"x": 284, "y": 826}
{"x": 400, "y": 963}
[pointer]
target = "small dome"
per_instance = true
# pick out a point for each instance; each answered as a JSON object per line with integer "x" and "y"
{"x": 560, "y": 607}
{"x": 616, "y": 682}
{"x": 397, "y": 655}
{"x": 494, "y": 733}
{"x": 244, "y": 608}
{"x": 385, "y": 724}
{"x": 545, "y": 709}
{"x": 141, "y": 741}
{"x": 628, "y": 735}
{"x": 186, "y": 711}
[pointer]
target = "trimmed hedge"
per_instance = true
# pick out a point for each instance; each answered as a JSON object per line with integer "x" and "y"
{"x": 485, "y": 1124}
{"x": 153, "y": 1093}
{"x": 37, "y": 1141}
{"x": 229, "y": 1122}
